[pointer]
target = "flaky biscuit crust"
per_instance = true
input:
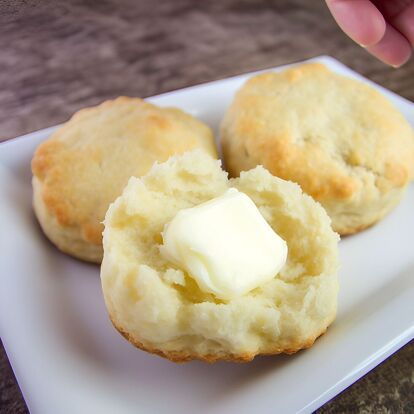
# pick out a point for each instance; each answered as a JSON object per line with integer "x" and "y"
{"x": 66, "y": 239}
{"x": 340, "y": 139}
{"x": 86, "y": 163}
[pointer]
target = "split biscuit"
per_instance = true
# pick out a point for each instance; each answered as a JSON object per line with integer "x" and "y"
{"x": 159, "y": 307}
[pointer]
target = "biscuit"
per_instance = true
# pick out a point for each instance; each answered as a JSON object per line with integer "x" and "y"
{"x": 159, "y": 308}
{"x": 340, "y": 139}
{"x": 87, "y": 162}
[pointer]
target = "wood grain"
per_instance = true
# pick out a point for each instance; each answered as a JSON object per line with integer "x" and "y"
{"x": 57, "y": 57}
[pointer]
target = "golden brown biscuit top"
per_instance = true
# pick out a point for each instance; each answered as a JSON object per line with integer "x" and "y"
{"x": 327, "y": 132}
{"x": 86, "y": 163}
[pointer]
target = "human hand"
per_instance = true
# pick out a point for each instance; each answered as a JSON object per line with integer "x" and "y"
{"x": 384, "y": 27}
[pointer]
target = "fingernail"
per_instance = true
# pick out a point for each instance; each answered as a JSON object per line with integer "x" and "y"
{"x": 362, "y": 45}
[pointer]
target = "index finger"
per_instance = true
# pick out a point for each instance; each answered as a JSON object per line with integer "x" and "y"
{"x": 359, "y": 19}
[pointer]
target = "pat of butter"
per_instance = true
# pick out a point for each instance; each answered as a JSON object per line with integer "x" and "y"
{"x": 225, "y": 245}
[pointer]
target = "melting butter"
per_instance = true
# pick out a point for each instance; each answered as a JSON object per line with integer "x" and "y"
{"x": 225, "y": 244}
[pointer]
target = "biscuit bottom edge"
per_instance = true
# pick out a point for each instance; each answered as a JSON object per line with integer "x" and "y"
{"x": 349, "y": 231}
{"x": 182, "y": 357}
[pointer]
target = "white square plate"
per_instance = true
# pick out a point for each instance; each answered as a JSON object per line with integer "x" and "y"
{"x": 68, "y": 358}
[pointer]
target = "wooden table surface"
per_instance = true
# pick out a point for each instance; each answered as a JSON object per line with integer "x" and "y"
{"x": 57, "y": 57}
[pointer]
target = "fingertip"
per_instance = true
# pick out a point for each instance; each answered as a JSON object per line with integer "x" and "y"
{"x": 401, "y": 60}
{"x": 397, "y": 63}
{"x": 393, "y": 49}
{"x": 359, "y": 19}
